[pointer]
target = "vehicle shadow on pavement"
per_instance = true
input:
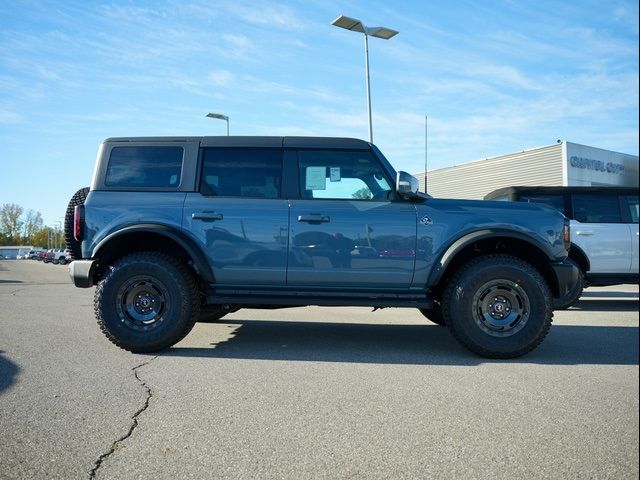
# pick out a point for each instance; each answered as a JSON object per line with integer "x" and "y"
{"x": 10, "y": 281}
{"x": 616, "y": 294}
{"x": 600, "y": 305}
{"x": 8, "y": 372}
{"x": 403, "y": 344}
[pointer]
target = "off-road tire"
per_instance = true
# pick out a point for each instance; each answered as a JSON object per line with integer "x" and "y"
{"x": 434, "y": 313}
{"x": 74, "y": 247}
{"x": 498, "y": 306}
{"x": 146, "y": 302}
{"x": 573, "y": 295}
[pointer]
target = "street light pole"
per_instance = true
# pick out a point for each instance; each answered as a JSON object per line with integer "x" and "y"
{"x": 366, "y": 65}
{"x": 219, "y": 116}
{"x": 385, "y": 33}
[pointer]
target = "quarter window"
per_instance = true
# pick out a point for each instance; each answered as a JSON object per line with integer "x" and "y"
{"x": 345, "y": 175}
{"x": 156, "y": 167}
{"x": 254, "y": 173}
{"x": 555, "y": 201}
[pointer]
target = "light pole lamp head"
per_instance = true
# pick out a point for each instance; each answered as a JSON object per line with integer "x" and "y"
{"x": 349, "y": 23}
{"x": 219, "y": 116}
{"x": 380, "y": 32}
{"x": 356, "y": 25}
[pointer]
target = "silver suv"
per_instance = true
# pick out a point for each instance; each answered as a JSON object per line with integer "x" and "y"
{"x": 604, "y": 225}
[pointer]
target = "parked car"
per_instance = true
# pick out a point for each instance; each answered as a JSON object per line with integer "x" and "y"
{"x": 47, "y": 256}
{"x": 604, "y": 222}
{"x": 56, "y": 256}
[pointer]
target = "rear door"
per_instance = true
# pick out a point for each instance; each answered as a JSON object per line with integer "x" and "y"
{"x": 630, "y": 211}
{"x": 238, "y": 217}
{"x": 347, "y": 230}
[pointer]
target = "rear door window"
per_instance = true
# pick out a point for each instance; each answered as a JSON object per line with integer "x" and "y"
{"x": 246, "y": 172}
{"x": 592, "y": 208}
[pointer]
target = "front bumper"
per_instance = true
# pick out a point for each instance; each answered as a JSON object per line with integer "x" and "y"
{"x": 81, "y": 273}
{"x": 567, "y": 275}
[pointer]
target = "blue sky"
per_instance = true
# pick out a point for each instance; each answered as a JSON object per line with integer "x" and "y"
{"x": 493, "y": 77}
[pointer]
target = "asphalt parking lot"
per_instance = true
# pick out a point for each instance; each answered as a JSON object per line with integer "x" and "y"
{"x": 310, "y": 393}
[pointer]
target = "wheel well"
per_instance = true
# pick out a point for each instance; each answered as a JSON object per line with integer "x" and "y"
{"x": 503, "y": 245}
{"x": 578, "y": 256}
{"x": 135, "y": 242}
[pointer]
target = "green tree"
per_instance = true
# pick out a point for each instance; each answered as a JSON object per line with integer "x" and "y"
{"x": 41, "y": 237}
{"x": 10, "y": 223}
{"x": 362, "y": 194}
{"x": 32, "y": 224}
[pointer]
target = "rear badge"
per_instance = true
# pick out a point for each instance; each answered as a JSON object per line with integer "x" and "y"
{"x": 426, "y": 220}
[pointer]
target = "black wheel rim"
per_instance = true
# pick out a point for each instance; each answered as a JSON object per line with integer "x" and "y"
{"x": 142, "y": 302}
{"x": 501, "y": 308}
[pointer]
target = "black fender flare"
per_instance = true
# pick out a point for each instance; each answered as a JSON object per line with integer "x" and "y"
{"x": 467, "y": 239}
{"x": 582, "y": 253}
{"x": 188, "y": 244}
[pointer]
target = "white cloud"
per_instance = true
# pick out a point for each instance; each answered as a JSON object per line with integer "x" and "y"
{"x": 222, "y": 78}
{"x": 269, "y": 14}
{"x": 9, "y": 117}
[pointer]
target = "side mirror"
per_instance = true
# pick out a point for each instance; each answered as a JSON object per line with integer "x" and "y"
{"x": 407, "y": 185}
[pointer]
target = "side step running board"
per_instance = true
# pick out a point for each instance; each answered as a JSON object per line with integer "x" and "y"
{"x": 329, "y": 299}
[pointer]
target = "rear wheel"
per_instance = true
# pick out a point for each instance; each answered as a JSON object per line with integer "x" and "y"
{"x": 146, "y": 302}
{"x": 498, "y": 306}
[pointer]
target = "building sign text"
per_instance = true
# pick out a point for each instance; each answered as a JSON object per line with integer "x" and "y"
{"x": 597, "y": 165}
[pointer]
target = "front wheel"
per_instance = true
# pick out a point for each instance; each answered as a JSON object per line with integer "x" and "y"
{"x": 498, "y": 306}
{"x": 146, "y": 302}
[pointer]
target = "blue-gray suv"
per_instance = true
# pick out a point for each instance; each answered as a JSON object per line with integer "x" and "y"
{"x": 175, "y": 230}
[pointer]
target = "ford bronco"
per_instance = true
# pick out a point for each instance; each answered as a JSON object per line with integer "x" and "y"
{"x": 175, "y": 230}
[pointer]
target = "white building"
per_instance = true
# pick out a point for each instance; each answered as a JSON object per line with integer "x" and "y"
{"x": 560, "y": 164}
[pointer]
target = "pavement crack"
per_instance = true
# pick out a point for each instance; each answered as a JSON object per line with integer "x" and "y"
{"x": 134, "y": 423}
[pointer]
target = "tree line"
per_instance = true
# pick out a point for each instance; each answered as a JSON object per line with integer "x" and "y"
{"x": 18, "y": 227}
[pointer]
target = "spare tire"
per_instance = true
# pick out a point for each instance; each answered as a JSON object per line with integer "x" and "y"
{"x": 74, "y": 247}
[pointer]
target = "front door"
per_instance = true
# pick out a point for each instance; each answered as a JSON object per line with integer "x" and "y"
{"x": 347, "y": 230}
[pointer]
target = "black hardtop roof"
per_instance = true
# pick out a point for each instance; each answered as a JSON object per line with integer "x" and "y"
{"x": 254, "y": 141}
{"x": 557, "y": 190}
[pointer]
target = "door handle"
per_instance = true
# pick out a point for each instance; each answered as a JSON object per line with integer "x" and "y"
{"x": 584, "y": 233}
{"x": 314, "y": 218}
{"x": 207, "y": 216}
